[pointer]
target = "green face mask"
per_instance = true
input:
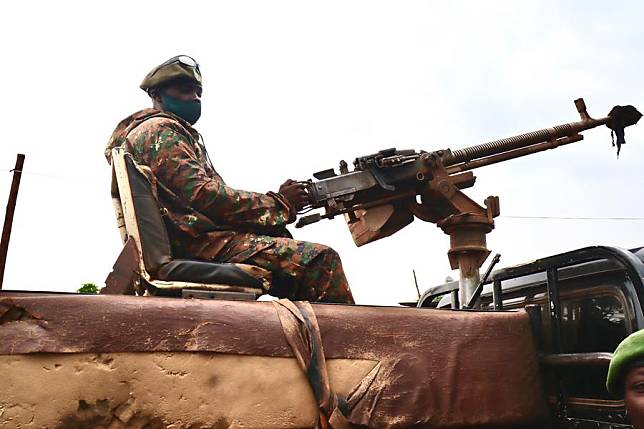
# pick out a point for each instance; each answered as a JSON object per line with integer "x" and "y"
{"x": 188, "y": 110}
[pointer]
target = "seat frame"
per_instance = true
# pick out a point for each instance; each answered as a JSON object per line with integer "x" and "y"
{"x": 130, "y": 275}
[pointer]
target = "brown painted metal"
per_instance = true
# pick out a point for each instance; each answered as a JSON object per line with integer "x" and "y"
{"x": 528, "y": 139}
{"x": 466, "y": 222}
{"x": 125, "y": 272}
{"x": 516, "y": 153}
{"x": 8, "y": 218}
{"x": 414, "y": 386}
{"x": 441, "y": 175}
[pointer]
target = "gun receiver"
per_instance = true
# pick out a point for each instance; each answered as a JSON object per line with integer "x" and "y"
{"x": 387, "y": 190}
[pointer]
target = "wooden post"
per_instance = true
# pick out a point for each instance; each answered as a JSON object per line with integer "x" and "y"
{"x": 8, "y": 217}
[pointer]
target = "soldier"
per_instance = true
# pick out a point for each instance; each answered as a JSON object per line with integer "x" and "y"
{"x": 626, "y": 376}
{"x": 206, "y": 218}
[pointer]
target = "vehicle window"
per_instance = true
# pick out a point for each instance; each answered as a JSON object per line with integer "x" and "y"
{"x": 590, "y": 324}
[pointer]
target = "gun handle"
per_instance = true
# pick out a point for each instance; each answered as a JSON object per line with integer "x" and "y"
{"x": 308, "y": 220}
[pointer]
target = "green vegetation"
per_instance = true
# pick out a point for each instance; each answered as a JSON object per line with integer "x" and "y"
{"x": 88, "y": 288}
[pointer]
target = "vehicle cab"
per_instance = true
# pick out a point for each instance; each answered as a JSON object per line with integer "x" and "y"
{"x": 582, "y": 304}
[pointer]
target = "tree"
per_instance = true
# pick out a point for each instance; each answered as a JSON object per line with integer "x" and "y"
{"x": 88, "y": 288}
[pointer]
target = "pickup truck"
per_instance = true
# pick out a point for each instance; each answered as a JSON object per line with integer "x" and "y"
{"x": 582, "y": 304}
{"x": 80, "y": 361}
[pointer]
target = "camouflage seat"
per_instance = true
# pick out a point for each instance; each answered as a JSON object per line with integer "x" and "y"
{"x": 147, "y": 252}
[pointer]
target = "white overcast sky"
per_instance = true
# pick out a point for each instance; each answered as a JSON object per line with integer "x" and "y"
{"x": 291, "y": 88}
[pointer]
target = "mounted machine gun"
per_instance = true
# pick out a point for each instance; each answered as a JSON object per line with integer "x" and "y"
{"x": 386, "y": 190}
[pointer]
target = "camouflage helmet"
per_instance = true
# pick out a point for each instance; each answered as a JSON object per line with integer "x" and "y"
{"x": 179, "y": 67}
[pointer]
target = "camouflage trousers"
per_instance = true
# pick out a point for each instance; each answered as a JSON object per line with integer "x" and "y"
{"x": 300, "y": 270}
{"x": 304, "y": 271}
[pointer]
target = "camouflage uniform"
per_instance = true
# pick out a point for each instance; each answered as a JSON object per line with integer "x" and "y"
{"x": 206, "y": 219}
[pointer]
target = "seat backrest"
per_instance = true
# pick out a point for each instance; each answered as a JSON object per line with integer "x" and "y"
{"x": 141, "y": 213}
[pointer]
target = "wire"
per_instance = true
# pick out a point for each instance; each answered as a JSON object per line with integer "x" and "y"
{"x": 573, "y": 218}
{"x": 620, "y": 218}
{"x": 51, "y": 176}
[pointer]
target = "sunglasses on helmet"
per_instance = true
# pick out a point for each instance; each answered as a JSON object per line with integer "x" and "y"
{"x": 183, "y": 59}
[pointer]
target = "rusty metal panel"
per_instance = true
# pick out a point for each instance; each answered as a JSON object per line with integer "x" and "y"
{"x": 425, "y": 379}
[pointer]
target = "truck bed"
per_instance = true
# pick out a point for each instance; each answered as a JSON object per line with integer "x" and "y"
{"x": 79, "y": 360}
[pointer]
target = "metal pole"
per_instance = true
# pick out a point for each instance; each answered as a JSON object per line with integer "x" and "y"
{"x": 467, "y": 283}
{"x": 416, "y": 283}
{"x": 555, "y": 319}
{"x": 497, "y": 294}
{"x": 8, "y": 217}
{"x": 455, "y": 304}
{"x": 473, "y": 302}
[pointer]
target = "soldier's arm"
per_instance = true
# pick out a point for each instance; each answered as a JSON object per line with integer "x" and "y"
{"x": 177, "y": 166}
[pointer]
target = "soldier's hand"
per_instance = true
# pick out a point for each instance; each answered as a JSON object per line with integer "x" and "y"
{"x": 295, "y": 193}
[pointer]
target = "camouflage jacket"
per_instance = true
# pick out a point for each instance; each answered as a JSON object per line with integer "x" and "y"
{"x": 199, "y": 208}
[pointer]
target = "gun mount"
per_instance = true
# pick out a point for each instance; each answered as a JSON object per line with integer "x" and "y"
{"x": 388, "y": 189}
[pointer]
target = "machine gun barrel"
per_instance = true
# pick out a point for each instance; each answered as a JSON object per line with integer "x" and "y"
{"x": 512, "y": 154}
{"x": 528, "y": 139}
